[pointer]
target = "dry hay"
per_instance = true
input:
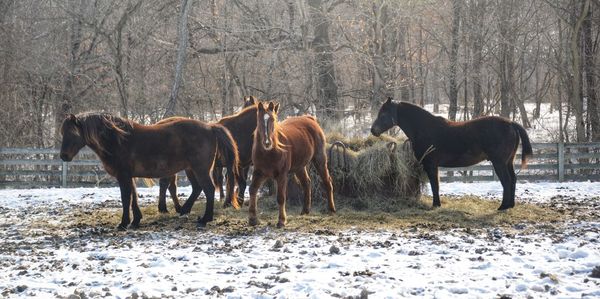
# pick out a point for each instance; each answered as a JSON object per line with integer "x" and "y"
{"x": 357, "y": 143}
{"x": 377, "y": 177}
{"x": 388, "y": 169}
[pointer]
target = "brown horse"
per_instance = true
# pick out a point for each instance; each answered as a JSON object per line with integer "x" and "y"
{"x": 287, "y": 148}
{"x": 241, "y": 126}
{"x": 439, "y": 142}
{"x": 128, "y": 149}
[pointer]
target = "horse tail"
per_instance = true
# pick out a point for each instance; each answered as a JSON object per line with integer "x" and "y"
{"x": 526, "y": 149}
{"x": 229, "y": 153}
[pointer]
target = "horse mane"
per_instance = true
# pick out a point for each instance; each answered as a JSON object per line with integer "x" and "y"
{"x": 417, "y": 112}
{"x": 276, "y": 133}
{"x": 96, "y": 127}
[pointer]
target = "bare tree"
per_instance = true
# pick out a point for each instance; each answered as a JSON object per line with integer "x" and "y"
{"x": 182, "y": 33}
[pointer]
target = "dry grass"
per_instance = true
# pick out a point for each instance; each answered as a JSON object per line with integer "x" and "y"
{"x": 463, "y": 212}
{"x": 383, "y": 169}
{"x": 357, "y": 143}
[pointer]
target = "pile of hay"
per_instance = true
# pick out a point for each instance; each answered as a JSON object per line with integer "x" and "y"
{"x": 383, "y": 169}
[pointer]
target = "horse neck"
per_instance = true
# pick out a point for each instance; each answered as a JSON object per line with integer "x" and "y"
{"x": 104, "y": 145}
{"x": 245, "y": 119}
{"x": 411, "y": 119}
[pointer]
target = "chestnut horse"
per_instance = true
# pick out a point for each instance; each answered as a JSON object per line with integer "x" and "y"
{"x": 128, "y": 149}
{"x": 287, "y": 148}
{"x": 439, "y": 142}
{"x": 241, "y": 126}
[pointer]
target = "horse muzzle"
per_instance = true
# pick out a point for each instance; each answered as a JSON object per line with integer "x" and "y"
{"x": 65, "y": 157}
{"x": 375, "y": 131}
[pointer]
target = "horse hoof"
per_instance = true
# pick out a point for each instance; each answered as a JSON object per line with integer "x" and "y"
{"x": 200, "y": 224}
{"x": 205, "y": 220}
{"x": 280, "y": 224}
{"x": 122, "y": 227}
{"x": 134, "y": 225}
{"x": 305, "y": 212}
{"x": 165, "y": 211}
{"x": 503, "y": 208}
{"x": 253, "y": 221}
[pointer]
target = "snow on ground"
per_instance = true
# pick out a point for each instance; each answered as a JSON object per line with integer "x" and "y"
{"x": 37, "y": 260}
{"x": 538, "y": 192}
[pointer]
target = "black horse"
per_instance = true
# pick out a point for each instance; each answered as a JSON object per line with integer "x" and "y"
{"x": 440, "y": 142}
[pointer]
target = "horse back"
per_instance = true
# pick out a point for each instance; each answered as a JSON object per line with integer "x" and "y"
{"x": 170, "y": 146}
{"x": 301, "y": 136}
{"x": 470, "y": 142}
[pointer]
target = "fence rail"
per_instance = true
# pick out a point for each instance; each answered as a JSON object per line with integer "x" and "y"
{"x": 28, "y": 167}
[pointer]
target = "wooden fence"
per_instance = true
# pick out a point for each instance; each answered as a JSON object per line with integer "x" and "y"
{"x": 27, "y": 167}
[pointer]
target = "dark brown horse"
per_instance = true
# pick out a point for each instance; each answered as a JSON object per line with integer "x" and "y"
{"x": 439, "y": 142}
{"x": 128, "y": 149}
{"x": 241, "y": 126}
{"x": 287, "y": 148}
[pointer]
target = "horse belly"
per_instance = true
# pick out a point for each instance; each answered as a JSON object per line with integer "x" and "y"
{"x": 156, "y": 168}
{"x": 461, "y": 160}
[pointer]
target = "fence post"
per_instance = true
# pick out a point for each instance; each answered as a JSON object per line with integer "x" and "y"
{"x": 65, "y": 166}
{"x": 561, "y": 161}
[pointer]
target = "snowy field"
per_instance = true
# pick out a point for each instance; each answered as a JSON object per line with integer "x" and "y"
{"x": 43, "y": 254}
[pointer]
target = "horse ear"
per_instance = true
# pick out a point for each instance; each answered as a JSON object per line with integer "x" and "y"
{"x": 261, "y": 106}
{"x": 271, "y": 106}
{"x": 251, "y": 100}
{"x": 389, "y": 100}
{"x": 276, "y": 108}
{"x": 73, "y": 118}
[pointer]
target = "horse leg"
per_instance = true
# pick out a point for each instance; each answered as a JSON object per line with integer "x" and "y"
{"x": 173, "y": 192}
{"x": 125, "y": 186}
{"x": 304, "y": 179}
{"x": 137, "y": 213}
{"x": 218, "y": 178}
{"x": 513, "y": 183}
{"x": 282, "y": 181}
{"x": 196, "y": 189}
{"x": 257, "y": 180}
{"x": 242, "y": 184}
{"x": 320, "y": 163}
{"x": 163, "y": 184}
{"x": 501, "y": 170}
{"x": 208, "y": 187}
{"x": 434, "y": 182}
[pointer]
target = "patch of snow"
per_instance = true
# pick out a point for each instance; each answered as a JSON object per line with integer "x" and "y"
{"x": 41, "y": 263}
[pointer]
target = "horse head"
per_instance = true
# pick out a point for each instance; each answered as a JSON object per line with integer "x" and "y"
{"x": 265, "y": 124}
{"x": 249, "y": 101}
{"x": 73, "y": 139}
{"x": 386, "y": 118}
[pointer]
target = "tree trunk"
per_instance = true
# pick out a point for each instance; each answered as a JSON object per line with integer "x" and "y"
{"x": 478, "y": 9}
{"x": 182, "y": 36}
{"x": 379, "y": 70}
{"x": 506, "y": 59}
{"x": 65, "y": 105}
{"x": 576, "y": 98}
{"x": 453, "y": 68}
{"x": 327, "y": 89}
{"x": 590, "y": 76}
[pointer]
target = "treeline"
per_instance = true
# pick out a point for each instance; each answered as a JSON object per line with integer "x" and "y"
{"x": 146, "y": 59}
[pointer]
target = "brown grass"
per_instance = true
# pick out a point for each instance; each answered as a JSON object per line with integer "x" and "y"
{"x": 461, "y": 212}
